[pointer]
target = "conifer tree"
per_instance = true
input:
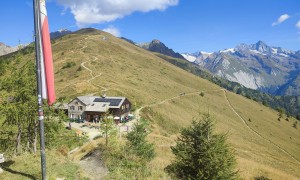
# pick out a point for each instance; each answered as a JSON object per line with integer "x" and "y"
{"x": 202, "y": 154}
{"x": 137, "y": 142}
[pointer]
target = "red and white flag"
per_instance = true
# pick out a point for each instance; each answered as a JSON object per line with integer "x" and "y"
{"x": 48, "y": 91}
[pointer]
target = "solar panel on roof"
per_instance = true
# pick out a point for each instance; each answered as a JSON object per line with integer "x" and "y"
{"x": 112, "y": 102}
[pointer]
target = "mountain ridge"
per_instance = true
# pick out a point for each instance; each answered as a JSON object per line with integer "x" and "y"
{"x": 5, "y": 49}
{"x": 159, "y": 47}
{"x": 256, "y": 66}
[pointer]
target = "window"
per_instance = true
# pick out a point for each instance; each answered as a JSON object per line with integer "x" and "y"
{"x": 72, "y": 107}
{"x": 80, "y": 108}
{"x": 76, "y": 103}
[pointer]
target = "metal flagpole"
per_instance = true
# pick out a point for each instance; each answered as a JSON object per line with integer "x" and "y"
{"x": 37, "y": 27}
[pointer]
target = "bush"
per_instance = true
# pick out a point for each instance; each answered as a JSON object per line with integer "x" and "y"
{"x": 295, "y": 124}
{"x": 261, "y": 178}
{"x": 68, "y": 65}
{"x": 130, "y": 160}
{"x": 79, "y": 68}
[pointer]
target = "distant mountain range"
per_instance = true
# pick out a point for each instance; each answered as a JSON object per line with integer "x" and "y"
{"x": 5, "y": 49}
{"x": 59, "y": 33}
{"x": 257, "y": 66}
{"x": 273, "y": 70}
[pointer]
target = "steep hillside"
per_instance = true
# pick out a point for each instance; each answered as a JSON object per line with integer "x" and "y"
{"x": 159, "y": 47}
{"x": 91, "y": 62}
{"x": 102, "y": 62}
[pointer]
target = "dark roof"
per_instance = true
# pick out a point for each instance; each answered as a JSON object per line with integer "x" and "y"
{"x": 112, "y": 102}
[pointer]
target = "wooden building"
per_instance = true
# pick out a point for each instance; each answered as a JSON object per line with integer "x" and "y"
{"x": 94, "y": 108}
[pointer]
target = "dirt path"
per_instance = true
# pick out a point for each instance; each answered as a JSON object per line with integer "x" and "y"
{"x": 255, "y": 132}
{"x": 137, "y": 114}
{"x": 93, "y": 165}
{"x": 88, "y": 69}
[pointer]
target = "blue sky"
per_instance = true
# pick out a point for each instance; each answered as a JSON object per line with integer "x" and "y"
{"x": 184, "y": 25}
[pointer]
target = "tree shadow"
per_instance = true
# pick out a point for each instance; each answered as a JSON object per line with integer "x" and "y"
{"x": 5, "y": 167}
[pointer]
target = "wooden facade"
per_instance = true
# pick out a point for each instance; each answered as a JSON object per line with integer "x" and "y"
{"x": 93, "y": 111}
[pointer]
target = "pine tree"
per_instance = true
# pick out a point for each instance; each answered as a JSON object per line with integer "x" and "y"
{"x": 201, "y": 154}
{"x": 137, "y": 142}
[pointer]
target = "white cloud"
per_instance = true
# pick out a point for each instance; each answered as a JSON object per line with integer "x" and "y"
{"x": 112, "y": 30}
{"x": 281, "y": 19}
{"x": 298, "y": 24}
{"x": 100, "y": 11}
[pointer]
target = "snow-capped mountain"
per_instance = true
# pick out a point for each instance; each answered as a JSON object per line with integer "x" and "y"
{"x": 196, "y": 57}
{"x": 257, "y": 66}
{"x": 59, "y": 33}
{"x": 189, "y": 56}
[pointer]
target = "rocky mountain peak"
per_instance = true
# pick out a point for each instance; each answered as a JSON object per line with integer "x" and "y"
{"x": 262, "y": 47}
{"x": 243, "y": 47}
{"x": 157, "y": 46}
{"x": 156, "y": 41}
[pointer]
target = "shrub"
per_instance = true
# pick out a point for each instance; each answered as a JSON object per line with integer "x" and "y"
{"x": 295, "y": 124}
{"x": 68, "y": 65}
{"x": 79, "y": 68}
{"x": 261, "y": 178}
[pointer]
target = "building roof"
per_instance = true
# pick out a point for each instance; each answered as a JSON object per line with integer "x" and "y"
{"x": 87, "y": 100}
{"x": 101, "y": 104}
{"x": 114, "y": 102}
{"x": 98, "y": 107}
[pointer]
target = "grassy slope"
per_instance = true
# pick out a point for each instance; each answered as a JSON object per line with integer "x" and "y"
{"x": 28, "y": 167}
{"x": 124, "y": 69}
{"x": 256, "y": 156}
{"x": 140, "y": 75}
